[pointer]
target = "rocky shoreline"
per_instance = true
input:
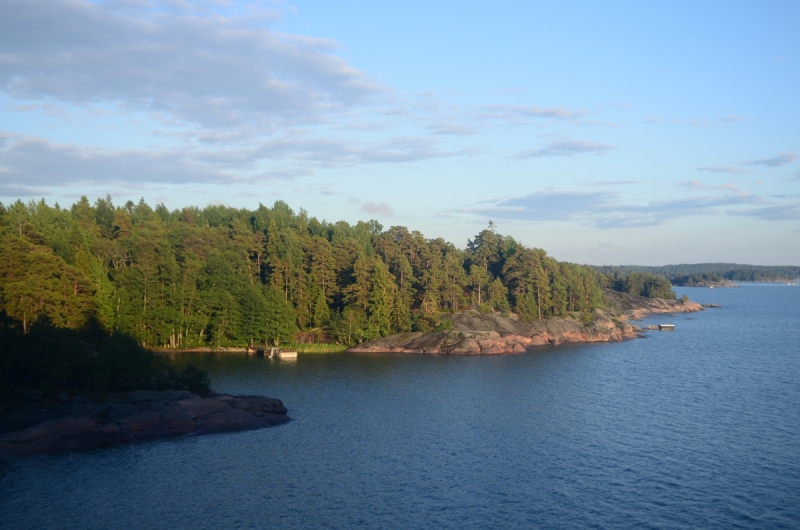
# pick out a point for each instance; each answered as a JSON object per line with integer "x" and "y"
{"x": 83, "y": 424}
{"x": 491, "y": 334}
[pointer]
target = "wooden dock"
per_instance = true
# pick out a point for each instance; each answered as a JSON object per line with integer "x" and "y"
{"x": 660, "y": 327}
{"x": 274, "y": 353}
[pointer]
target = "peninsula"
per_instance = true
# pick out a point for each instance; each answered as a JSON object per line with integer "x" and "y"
{"x": 79, "y": 423}
{"x": 475, "y": 333}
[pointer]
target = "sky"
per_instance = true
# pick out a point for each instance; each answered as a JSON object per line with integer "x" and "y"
{"x": 607, "y": 133}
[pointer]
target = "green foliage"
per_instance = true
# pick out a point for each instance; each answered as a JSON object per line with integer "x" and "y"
{"x": 699, "y": 279}
{"x": 194, "y": 380}
{"x": 279, "y": 317}
{"x": 640, "y": 284}
{"x": 222, "y": 276}
{"x": 445, "y": 325}
{"x": 350, "y": 326}
{"x": 319, "y": 348}
{"x": 587, "y": 318}
{"x": 381, "y": 302}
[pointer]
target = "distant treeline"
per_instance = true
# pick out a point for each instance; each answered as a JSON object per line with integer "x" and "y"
{"x": 639, "y": 283}
{"x": 700, "y": 279}
{"x": 222, "y": 276}
{"x": 700, "y": 273}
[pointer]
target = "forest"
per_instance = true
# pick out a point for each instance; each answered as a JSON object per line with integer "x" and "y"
{"x": 221, "y": 276}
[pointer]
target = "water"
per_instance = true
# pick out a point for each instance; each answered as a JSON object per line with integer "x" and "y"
{"x": 695, "y": 428}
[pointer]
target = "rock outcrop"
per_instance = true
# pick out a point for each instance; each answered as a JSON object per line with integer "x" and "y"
{"x": 142, "y": 415}
{"x": 488, "y": 334}
{"x": 631, "y": 307}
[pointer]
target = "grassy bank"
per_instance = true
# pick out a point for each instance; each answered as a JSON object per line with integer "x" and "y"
{"x": 324, "y": 347}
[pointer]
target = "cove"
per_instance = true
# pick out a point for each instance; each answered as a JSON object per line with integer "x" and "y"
{"x": 693, "y": 428}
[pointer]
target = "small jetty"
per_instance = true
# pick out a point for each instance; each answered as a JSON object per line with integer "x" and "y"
{"x": 660, "y": 327}
{"x": 274, "y": 353}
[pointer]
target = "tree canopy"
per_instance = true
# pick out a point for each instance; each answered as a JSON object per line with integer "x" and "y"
{"x": 222, "y": 276}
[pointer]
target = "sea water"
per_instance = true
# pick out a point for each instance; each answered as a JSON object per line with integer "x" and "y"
{"x": 696, "y": 428}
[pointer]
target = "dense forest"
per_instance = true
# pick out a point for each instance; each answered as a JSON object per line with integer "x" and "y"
{"x": 699, "y": 273}
{"x": 222, "y": 276}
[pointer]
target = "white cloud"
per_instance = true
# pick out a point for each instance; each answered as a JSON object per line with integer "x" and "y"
{"x": 452, "y": 129}
{"x": 776, "y": 161}
{"x": 381, "y": 209}
{"x": 566, "y": 148}
{"x": 506, "y": 112}
{"x": 772, "y": 213}
{"x": 41, "y": 163}
{"x": 697, "y": 185}
{"x": 194, "y": 65}
{"x": 702, "y": 123}
{"x": 12, "y": 190}
{"x": 614, "y": 183}
{"x": 724, "y": 169}
{"x": 605, "y": 209}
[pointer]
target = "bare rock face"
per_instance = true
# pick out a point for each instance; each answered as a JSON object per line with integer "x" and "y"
{"x": 141, "y": 415}
{"x": 497, "y": 334}
{"x": 488, "y": 334}
{"x": 632, "y": 307}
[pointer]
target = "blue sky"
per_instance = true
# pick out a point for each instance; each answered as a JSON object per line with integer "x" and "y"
{"x": 605, "y": 133}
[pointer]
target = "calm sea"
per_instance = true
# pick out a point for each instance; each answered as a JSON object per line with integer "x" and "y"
{"x": 698, "y": 428}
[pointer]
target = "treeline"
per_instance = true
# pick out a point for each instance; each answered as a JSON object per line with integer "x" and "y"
{"x": 703, "y": 272}
{"x": 222, "y": 276}
{"x": 700, "y": 279}
{"x": 638, "y": 283}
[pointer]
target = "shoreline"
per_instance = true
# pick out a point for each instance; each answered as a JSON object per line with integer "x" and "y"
{"x": 304, "y": 348}
{"x": 493, "y": 334}
{"x": 83, "y": 424}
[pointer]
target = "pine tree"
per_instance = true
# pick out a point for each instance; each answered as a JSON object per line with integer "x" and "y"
{"x": 381, "y": 302}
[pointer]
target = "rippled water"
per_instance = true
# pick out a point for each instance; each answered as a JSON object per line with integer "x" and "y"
{"x": 695, "y": 428}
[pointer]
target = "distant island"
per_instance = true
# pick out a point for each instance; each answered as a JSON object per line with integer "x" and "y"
{"x": 709, "y": 274}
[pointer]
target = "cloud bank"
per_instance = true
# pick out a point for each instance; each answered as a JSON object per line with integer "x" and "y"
{"x": 566, "y": 148}
{"x": 42, "y": 163}
{"x": 776, "y": 161}
{"x": 204, "y": 69}
{"x": 606, "y": 209}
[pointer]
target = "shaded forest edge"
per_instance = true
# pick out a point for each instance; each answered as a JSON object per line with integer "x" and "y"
{"x": 222, "y": 277}
{"x": 49, "y": 363}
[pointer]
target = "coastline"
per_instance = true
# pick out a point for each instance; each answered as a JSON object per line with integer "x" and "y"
{"x": 493, "y": 334}
{"x": 305, "y": 348}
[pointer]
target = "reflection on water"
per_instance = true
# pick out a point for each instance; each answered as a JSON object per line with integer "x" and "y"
{"x": 695, "y": 428}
